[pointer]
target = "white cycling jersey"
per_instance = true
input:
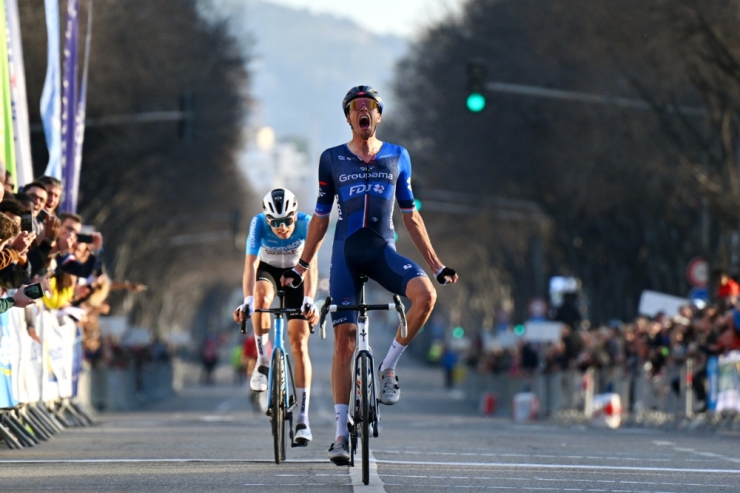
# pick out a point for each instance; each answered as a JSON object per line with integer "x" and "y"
{"x": 273, "y": 250}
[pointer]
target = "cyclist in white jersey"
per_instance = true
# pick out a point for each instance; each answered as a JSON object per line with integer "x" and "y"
{"x": 275, "y": 243}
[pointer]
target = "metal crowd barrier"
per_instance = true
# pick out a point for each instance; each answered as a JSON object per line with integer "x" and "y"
{"x": 39, "y": 381}
{"x": 669, "y": 393}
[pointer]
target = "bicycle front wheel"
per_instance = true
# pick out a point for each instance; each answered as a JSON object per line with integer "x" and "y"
{"x": 365, "y": 403}
{"x": 277, "y": 399}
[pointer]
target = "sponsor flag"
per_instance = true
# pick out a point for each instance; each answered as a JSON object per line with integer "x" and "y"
{"x": 73, "y": 176}
{"x": 6, "y": 134}
{"x": 69, "y": 104}
{"x": 51, "y": 97}
{"x": 21, "y": 128}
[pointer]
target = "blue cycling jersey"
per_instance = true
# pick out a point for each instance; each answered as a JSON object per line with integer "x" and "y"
{"x": 273, "y": 250}
{"x": 365, "y": 192}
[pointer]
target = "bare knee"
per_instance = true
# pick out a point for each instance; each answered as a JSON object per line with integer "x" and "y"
{"x": 344, "y": 341}
{"x": 299, "y": 341}
{"x": 424, "y": 299}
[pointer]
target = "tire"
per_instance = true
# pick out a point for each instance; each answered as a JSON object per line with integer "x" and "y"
{"x": 277, "y": 399}
{"x": 364, "y": 367}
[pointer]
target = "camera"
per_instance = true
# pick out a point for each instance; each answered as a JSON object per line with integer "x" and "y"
{"x": 84, "y": 238}
{"x": 27, "y": 222}
{"x": 34, "y": 291}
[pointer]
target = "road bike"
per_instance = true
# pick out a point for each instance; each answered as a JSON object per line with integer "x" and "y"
{"x": 363, "y": 415}
{"x": 281, "y": 393}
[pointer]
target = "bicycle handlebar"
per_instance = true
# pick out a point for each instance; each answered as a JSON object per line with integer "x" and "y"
{"x": 285, "y": 311}
{"x": 396, "y": 305}
{"x": 243, "y": 324}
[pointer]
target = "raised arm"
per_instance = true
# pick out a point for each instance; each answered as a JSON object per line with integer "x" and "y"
{"x": 415, "y": 224}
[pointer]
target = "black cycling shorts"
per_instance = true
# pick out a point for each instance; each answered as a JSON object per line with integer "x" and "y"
{"x": 368, "y": 253}
{"x": 293, "y": 296}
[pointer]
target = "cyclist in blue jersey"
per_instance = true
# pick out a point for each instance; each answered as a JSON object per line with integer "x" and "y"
{"x": 276, "y": 240}
{"x": 367, "y": 176}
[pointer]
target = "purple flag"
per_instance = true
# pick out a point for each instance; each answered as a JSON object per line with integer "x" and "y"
{"x": 69, "y": 107}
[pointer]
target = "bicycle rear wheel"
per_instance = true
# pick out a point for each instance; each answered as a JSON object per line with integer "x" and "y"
{"x": 277, "y": 398}
{"x": 364, "y": 367}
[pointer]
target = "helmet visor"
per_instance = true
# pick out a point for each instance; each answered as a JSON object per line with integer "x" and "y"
{"x": 359, "y": 103}
{"x": 276, "y": 222}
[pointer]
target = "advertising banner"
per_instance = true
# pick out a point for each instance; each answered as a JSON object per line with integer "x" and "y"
{"x": 8, "y": 350}
{"x": 728, "y": 397}
{"x": 70, "y": 97}
{"x": 21, "y": 128}
{"x": 68, "y": 334}
{"x": 30, "y": 367}
{"x": 51, "y": 97}
{"x": 53, "y": 369}
{"x": 6, "y": 105}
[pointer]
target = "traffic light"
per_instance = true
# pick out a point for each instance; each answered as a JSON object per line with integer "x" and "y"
{"x": 519, "y": 330}
{"x": 476, "y": 100}
{"x": 458, "y": 332}
{"x": 417, "y": 204}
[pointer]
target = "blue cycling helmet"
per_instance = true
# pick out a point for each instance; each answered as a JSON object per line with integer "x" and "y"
{"x": 361, "y": 92}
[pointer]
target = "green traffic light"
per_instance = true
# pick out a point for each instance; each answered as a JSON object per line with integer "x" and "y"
{"x": 519, "y": 330}
{"x": 458, "y": 332}
{"x": 476, "y": 102}
{"x": 417, "y": 203}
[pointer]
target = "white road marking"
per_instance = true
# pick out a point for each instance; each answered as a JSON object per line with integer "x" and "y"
{"x": 153, "y": 461}
{"x": 375, "y": 485}
{"x": 558, "y": 466}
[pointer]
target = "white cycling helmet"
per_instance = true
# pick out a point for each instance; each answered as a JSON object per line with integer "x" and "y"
{"x": 279, "y": 203}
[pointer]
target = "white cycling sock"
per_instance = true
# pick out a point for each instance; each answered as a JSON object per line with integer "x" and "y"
{"x": 340, "y": 412}
{"x": 261, "y": 342}
{"x": 394, "y": 353}
{"x": 303, "y": 396}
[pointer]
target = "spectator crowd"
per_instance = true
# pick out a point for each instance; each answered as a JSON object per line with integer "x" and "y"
{"x": 38, "y": 244}
{"x": 649, "y": 346}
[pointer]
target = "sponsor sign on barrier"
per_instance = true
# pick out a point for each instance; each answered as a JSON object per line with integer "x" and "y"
{"x": 8, "y": 350}
{"x": 728, "y": 395}
{"x": 712, "y": 382}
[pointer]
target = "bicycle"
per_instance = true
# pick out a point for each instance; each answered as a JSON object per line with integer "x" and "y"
{"x": 363, "y": 400}
{"x": 281, "y": 393}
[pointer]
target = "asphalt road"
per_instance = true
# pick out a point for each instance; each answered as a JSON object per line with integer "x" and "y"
{"x": 209, "y": 439}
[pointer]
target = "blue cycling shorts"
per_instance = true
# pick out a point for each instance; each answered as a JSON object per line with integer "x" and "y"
{"x": 368, "y": 253}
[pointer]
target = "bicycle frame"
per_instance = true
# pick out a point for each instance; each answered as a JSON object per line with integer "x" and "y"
{"x": 278, "y": 331}
{"x": 363, "y": 402}
{"x": 362, "y": 347}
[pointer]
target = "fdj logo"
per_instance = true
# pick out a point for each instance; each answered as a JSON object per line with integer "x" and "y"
{"x": 358, "y": 189}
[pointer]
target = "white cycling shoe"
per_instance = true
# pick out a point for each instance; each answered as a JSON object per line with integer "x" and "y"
{"x": 302, "y": 435}
{"x": 390, "y": 391}
{"x": 258, "y": 382}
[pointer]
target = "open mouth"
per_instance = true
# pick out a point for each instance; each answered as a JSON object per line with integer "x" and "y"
{"x": 364, "y": 122}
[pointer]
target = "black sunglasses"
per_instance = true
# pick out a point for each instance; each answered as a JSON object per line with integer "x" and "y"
{"x": 277, "y": 222}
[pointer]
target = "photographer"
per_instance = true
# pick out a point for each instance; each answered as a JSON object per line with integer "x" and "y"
{"x": 69, "y": 237}
{"x": 18, "y": 299}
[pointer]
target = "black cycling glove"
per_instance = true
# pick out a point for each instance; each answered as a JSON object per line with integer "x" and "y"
{"x": 443, "y": 274}
{"x": 294, "y": 277}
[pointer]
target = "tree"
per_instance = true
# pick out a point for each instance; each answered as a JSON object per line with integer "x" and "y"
{"x": 623, "y": 202}
{"x": 162, "y": 202}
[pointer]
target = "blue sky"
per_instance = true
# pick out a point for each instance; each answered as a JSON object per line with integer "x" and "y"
{"x": 399, "y": 17}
